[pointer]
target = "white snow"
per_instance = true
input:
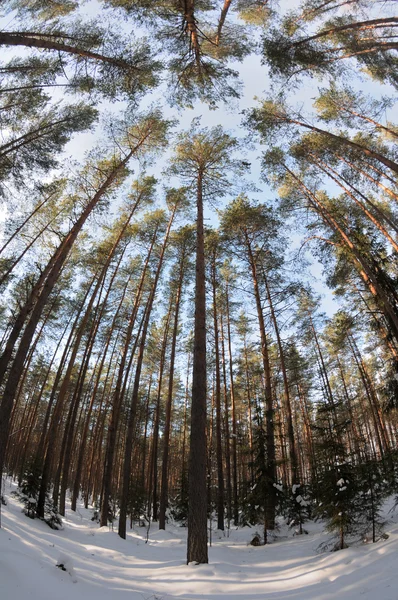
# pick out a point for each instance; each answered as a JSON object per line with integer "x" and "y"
{"x": 301, "y": 501}
{"x": 105, "y": 567}
{"x": 65, "y": 563}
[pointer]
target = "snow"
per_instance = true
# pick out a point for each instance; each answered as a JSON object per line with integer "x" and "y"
{"x": 101, "y": 566}
{"x": 301, "y": 501}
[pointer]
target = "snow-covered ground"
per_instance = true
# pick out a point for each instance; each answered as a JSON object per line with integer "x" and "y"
{"x": 102, "y": 566}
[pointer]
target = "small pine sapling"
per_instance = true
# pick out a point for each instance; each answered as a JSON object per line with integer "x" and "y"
{"x": 298, "y": 507}
{"x": 51, "y": 514}
{"x": 136, "y": 503}
{"x": 28, "y": 494}
{"x": 28, "y": 491}
{"x": 373, "y": 489}
{"x": 248, "y": 513}
{"x": 96, "y": 512}
{"x": 338, "y": 501}
{"x": 260, "y": 489}
{"x": 112, "y": 511}
{"x": 179, "y": 504}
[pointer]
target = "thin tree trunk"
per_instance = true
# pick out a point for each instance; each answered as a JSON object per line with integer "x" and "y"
{"x": 287, "y": 403}
{"x": 126, "y": 468}
{"x": 79, "y": 467}
{"x": 335, "y": 177}
{"x": 270, "y": 465}
{"x": 167, "y": 428}
{"x": 217, "y": 398}
{"x": 358, "y": 26}
{"x": 365, "y": 270}
{"x": 227, "y": 443}
{"x": 221, "y": 21}
{"x": 155, "y": 442}
{"x": 27, "y": 248}
{"x": 233, "y": 406}
{"x": 61, "y": 255}
{"x": 118, "y": 395}
{"x": 28, "y": 218}
{"x": 385, "y": 189}
{"x": 346, "y": 142}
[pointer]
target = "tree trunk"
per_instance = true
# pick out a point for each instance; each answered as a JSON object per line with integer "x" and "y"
{"x": 155, "y": 441}
{"x": 227, "y": 443}
{"x": 169, "y": 402}
{"x": 76, "y": 486}
{"x": 287, "y": 403}
{"x": 377, "y": 223}
{"x": 38, "y": 40}
{"x": 58, "y": 262}
{"x": 220, "y": 470}
{"x": 371, "y": 279}
{"x": 358, "y": 26}
{"x": 118, "y": 396}
{"x": 197, "y": 510}
{"x": 126, "y": 468}
{"x": 28, "y": 218}
{"x": 233, "y": 406}
{"x": 270, "y": 466}
{"x": 346, "y": 142}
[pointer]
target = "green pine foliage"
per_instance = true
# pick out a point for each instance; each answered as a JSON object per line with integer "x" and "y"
{"x": 179, "y": 503}
{"x": 373, "y": 489}
{"x": 28, "y": 494}
{"x": 338, "y": 501}
{"x": 137, "y": 505}
{"x": 297, "y": 506}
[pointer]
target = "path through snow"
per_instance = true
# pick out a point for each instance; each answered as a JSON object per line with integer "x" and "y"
{"x": 104, "y": 567}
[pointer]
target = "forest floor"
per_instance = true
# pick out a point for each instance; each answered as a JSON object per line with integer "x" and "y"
{"x": 103, "y": 566}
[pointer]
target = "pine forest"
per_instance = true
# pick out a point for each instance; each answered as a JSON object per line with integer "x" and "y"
{"x": 198, "y": 267}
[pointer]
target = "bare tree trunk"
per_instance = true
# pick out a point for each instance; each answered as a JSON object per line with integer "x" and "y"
{"x": 46, "y": 42}
{"x": 368, "y": 176}
{"x": 227, "y": 443}
{"x": 28, "y": 218}
{"x": 76, "y": 486}
{"x": 233, "y": 406}
{"x": 393, "y": 166}
{"x": 167, "y": 428}
{"x": 377, "y": 223}
{"x": 155, "y": 440}
{"x": 118, "y": 396}
{"x": 287, "y": 403}
{"x": 57, "y": 262}
{"x": 126, "y": 468}
{"x": 372, "y": 399}
{"x": 217, "y": 397}
{"x": 270, "y": 466}
{"x": 197, "y": 511}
